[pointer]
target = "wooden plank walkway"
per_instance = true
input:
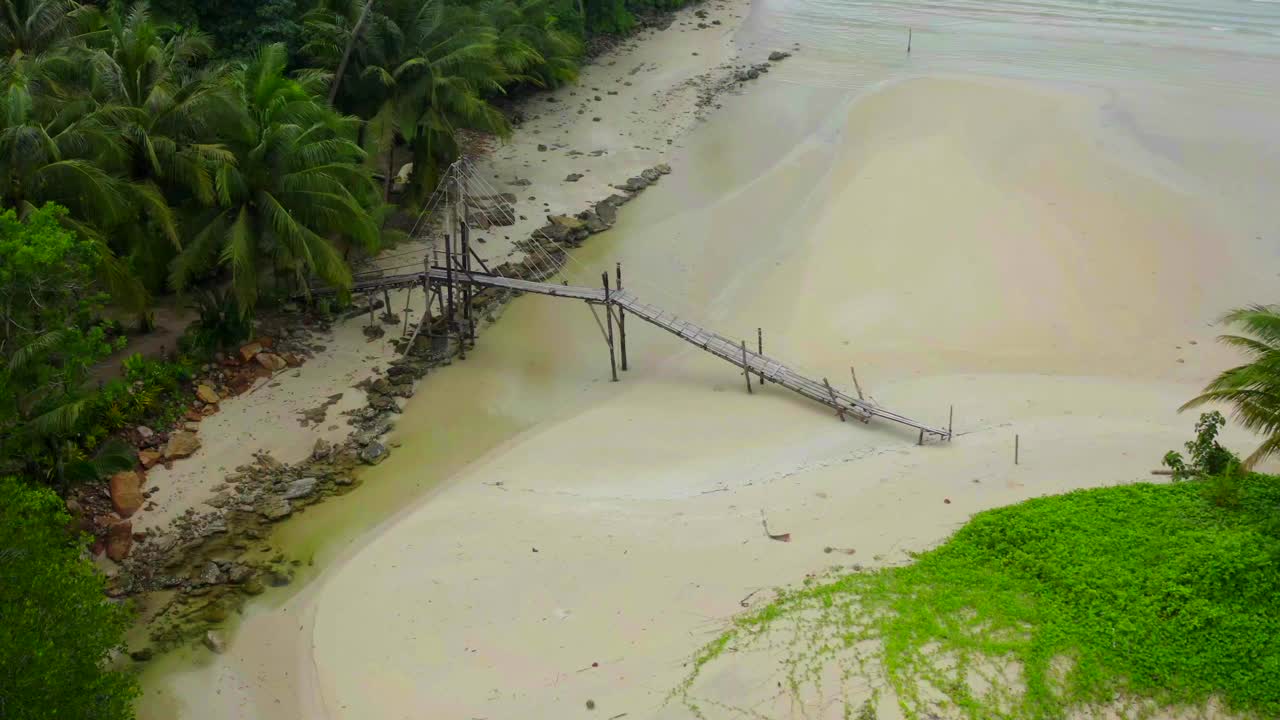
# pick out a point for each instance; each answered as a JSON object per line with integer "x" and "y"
{"x": 724, "y": 348}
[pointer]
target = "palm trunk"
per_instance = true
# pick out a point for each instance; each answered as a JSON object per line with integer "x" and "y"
{"x": 346, "y": 53}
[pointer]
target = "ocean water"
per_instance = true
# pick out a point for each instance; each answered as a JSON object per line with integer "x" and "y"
{"x": 1227, "y": 45}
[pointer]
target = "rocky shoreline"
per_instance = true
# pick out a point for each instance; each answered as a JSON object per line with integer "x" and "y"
{"x": 207, "y": 564}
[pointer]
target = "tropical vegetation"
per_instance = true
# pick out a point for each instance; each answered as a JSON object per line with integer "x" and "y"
{"x": 59, "y": 631}
{"x": 1133, "y": 598}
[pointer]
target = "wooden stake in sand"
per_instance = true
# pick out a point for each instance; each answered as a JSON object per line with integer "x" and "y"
{"x": 760, "y": 352}
{"x": 908, "y": 41}
{"x": 1015, "y": 449}
{"x": 856, "y": 386}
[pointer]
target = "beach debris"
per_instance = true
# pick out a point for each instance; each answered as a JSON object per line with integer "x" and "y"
{"x": 591, "y": 704}
{"x": 946, "y": 501}
{"x": 746, "y": 601}
{"x": 780, "y": 537}
{"x": 845, "y": 551}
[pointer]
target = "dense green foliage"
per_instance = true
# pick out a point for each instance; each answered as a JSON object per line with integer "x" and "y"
{"x": 1252, "y": 389}
{"x": 59, "y": 630}
{"x": 49, "y": 338}
{"x": 1130, "y": 593}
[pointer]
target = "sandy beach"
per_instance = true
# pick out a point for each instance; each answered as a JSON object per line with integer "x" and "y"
{"x": 544, "y": 537}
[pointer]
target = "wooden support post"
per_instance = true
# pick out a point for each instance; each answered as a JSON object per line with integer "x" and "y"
{"x": 921, "y": 440}
{"x": 909, "y": 41}
{"x": 760, "y": 352}
{"x": 386, "y": 301}
{"x": 1015, "y": 449}
{"x": 448, "y": 279}
{"x": 426, "y": 294}
{"x": 368, "y": 299}
{"x": 834, "y": 402}
{"x": 408, "y": 295}
{"x": 746, "y": 369}
{"x": 622, "y": 322}
{"x": 467, "y": 289}
{"x": 856, "y": 386}
{"x": 608, "y": 314}
{"x": 951, "y": 415}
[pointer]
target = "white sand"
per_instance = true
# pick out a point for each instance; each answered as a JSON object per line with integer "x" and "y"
{"x": 987, "y": 245}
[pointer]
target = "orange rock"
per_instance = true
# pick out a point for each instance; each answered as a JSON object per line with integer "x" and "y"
{"x": 149, "y": 458}
{"x": 248, "y": 351}
{"x": 207, "y": 395}
{"x": 126, "y": 493}
{"x": 270, "y": 361}
{"x": 119, "y": 540}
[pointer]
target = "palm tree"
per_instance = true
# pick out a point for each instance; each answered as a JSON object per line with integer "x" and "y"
{"x": 171, "y": 115}
{"x": 530, "y": 43}
{"x": 426, "y": 69}
{"x": 1252, "y": 389}
{"x": 296, "y": 189}
{"x": 29, "y": 28}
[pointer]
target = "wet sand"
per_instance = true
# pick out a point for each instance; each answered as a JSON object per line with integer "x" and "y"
{"x": 1003, "y": 247}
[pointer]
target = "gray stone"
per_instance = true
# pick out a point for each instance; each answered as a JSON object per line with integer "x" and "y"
{"x": 593, "y": 222}
{"x": 210, "y": 574}
{"x": 374, "y": 453}
{"x": 651, "y": 175}
{"x": 213, "y": 640}
{"x": 382, "y": 403}
{"x": 777, "y": 55}
{"x": 300, "y": 488}
{"x": 573, "y": 177}
{"x": 239, "y": 573}
{"x": 607, "y": 212}
{"x": 662, "y": 168}
{"x": 275, "y": 508}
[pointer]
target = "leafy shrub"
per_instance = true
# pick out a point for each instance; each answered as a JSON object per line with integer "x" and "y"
{"x": 1208, "y": 456}
{"x": 222, "y": 323}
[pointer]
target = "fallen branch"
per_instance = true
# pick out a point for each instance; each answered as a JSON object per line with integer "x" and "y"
{"x": 780, "y": 537}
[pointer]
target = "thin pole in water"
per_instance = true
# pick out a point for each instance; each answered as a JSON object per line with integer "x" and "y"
{"x": 1015, "y": 449}
{"x": 909, "y": 41}
{"x": 746, "y": 369}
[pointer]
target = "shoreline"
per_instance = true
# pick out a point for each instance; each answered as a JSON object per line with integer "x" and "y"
{"x": 184, "y": 540}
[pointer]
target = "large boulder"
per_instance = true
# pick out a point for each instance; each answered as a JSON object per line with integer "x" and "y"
{"x": 271, "y": 361}
{"x": 207, "y": 395}
{"x": 119, "y": 540}
{"x": 126, "y": 493}
{"x": 180, "y": 445}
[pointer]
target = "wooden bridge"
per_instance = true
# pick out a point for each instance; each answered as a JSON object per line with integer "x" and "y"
{"x": 457, "y": 275}
{"x": 618, "y": 304}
